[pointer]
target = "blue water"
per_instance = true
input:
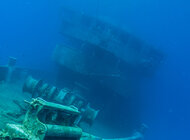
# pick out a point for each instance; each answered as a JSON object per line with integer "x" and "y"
{"x": 29, "y": 31}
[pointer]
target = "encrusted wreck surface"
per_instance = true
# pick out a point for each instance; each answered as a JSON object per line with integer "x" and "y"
{"x": 13, "y": 109}
{"x": 104, "y": 53}
{"x": 47, "y": 120}
{"x": 107, "y": 63}
{"x": 95, "y": 38}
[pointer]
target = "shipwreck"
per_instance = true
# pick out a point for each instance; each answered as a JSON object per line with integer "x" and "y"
{"x": 100, "y": 68}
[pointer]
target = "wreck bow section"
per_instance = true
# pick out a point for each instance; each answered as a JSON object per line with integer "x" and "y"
{"x": 106, "y": 63}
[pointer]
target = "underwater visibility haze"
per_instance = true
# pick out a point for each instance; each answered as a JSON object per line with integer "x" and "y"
{"x": 101, "y": 69}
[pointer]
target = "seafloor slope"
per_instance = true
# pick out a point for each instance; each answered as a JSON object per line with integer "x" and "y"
{"x": 11, "y": 103}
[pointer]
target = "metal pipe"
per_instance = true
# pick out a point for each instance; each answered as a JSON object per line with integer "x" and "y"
{"x": 63, "y": 131}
